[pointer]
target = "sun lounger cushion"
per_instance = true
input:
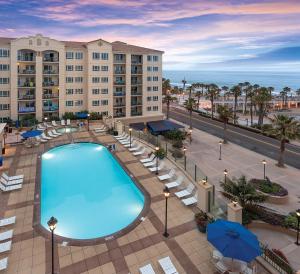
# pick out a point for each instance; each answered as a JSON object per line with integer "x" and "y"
{"x": 6, "y": 235}
{"x": 7, "y": 221}
{"x": 147, "y": 269}
{"x": 4, "y": 247}
{"x": 3, "y": 263}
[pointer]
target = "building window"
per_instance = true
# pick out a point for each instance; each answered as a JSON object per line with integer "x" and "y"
{"x": 155, "y": 78}
{"x": 149, "y": 98}
{"x": 155, "y": 58}
{"x": 69, "y": 103}
{"x": 78, "y": 103}
{"x": 155, "y": 68}
{"x": 95, "y": 91}
{"x": 79, "y": 55}
{"x": 104, "y": 102}
{"x": 96, "y": 79}
{"x": 4, "y": 67}
{"x": 69, "y": 91}
{"x": 149, "y": 89}
{"x": 4, "y": 93}
{"x": 148, "y": 108}
{"x": 149, "y": 58}
{"x": 155, "y": 108}
{"x": 95, "y": 103}
{"x": 69, "y": 68}
{"x": 104, "y": 91}
{"x": 155, "y": 98}
{"x": 69, "y": 55}
{"x": 4, "y": 106}
{"x": 104, "y": 79}
{"x": 155, "y": 88}
{"x": 104, "y": 56}
{"x": 4, "y": 81}
{"x": 78, "y": 91}
{"x": 79, "y": 68}
{"x": 96, "y": 68}
{"x": 4, "y": 119}
{"x": 69, "y": 79}
{"x": 4, "y": 52}
{"x": 96, "y": 55}
{"x": 149, "y": 68}
{"x": 78, "y": 79}
{"x": 149, "y": 78}
{"x": 104, "y": 68}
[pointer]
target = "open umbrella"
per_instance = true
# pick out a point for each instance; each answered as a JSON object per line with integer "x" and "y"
{"x": 233, "y": 240}
{"x": 31, "y": 133}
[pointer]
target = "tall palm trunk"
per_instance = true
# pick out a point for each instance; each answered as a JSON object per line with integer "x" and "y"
{"x": 234, "y": 111}
{"x": 168, "y": 109}
{"x": 281, "y": 154}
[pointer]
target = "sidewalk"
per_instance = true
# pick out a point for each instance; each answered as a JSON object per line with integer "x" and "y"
{"x": 204, "y": 151}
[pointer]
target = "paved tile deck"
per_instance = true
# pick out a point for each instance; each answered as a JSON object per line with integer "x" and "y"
{"x": 31, "y": 252}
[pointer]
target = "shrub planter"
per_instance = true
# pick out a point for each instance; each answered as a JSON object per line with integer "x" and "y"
{"x": 202, "y": 220}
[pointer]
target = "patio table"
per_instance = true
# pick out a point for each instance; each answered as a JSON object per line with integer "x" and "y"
{"x": 234, "y": 265}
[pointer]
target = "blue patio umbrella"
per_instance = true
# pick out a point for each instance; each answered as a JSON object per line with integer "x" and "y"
{"x": 31, "y": 133}
{"x": 233, "y": 240}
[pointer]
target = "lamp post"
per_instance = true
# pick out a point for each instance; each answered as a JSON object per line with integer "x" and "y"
{"x": 156, "y": 154}
{"x": 88, "y": 120}
{"x": 190, "y": 131}
{"x": 52, "y": 225}
{"x": 220, "y": 150}
{"x": 225, "y": 175}
{"x": 130, "y": 130}
{"x": 184, "y": 150}
{"x": 167, "y": 194}
{"x": 298, "y": 226}
{"x": 264, "y": 162}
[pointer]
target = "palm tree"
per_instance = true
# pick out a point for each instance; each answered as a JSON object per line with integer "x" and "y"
{"x": 271, "y": 89}
{"x": 190, "y": 105}
{"x": 285, "y": 129}
{"x": 199, "y": 93}
{"x": 251, "y": 93}
{"x": 284, "y": 95}
{"x": 236, "y": 92}
{"x": 245, "y": 90}
{"x": 242, "y": 191}
{"x": 225, "y": 114}
{"x": 225, "y": 90}
{"x": 212, "y": 92}
{"x": 183, "y": 84}
{"x": 262, "y": 99}
{"x": 167, "y": 100}
{"x": 166, "y": 85}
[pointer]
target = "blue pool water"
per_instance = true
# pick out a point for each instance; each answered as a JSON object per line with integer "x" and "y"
{"x": 87, "y": 190}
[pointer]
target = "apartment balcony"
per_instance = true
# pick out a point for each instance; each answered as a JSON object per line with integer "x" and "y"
{"x": 26, "y": 58}
{"x": 50, "y": 72}
{"x": 26, "y": 71}
{"x": 136, "y": 113}
{"x": 119, "y": 93}
{"x": 50, "y": 84}
{"x": 119, "y": 104}
{"x": 50, "y": 59}
{"x": 136, "y": 71}
{"x": 26, "y": 109}
{"x": 119, "y": 114}
{"x": 26, "y": 97}
{"x": 50, "y": 96}
{"x": 120, "y": 83}
{"x": 26, "y": 85}
{"x": 136, "y": 93}
{"x": 137, "y": 103}
{"x": 119, "y": 58}
{"x": 50, "y": 108}
{"x": 136, "y": 83}
{"x": 119, "y": 71}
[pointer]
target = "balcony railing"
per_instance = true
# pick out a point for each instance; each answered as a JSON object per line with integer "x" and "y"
{"x": 52, "y": 108}
{"x": 120, "y": 93}
{"x": 136, "y": 62}
{"x": 25, "y": 71}
{"x": 119, "y": 104}
{"x": 25, "y": 58}
{"x": 120, "y": 71}
{"x": 119, "y": 82}
{"x": 50, "y": 96}
{"x": 136, "y": 113}
{"x": 136, "y": 103}
{"x": 136, "y": 71}
{"x": 136, "y": 93}
{"x": 26, "y": 109}
{"x": 50, "y": 72}
{"x": 136, "y": 83}
{"x": 50, "y": 59}
{"x": 50, "y": 84}
{"x": 119, "y": 114}
{"x": 120, "y": 61}
{"x": 26, "y": 84}
{"x": 26, "y": 97}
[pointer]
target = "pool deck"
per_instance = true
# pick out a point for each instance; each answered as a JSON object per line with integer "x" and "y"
{"x": 31, "y": 252}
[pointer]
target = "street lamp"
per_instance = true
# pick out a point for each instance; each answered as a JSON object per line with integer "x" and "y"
{"x": 184, "y": 150}
{"x": 225, "y": 175}
{"x": 52, "y": 225}
{"x": 264, "y": 162}
{"x": 190, "y": 132}
{"x": 298, "y": 226}
{"x": 167, "y": 194}
{"x": 88, "y": 120}
{"x": 220, "y": 150}
{"x": 156, "y": 153}
{"x": 130, "y": 130}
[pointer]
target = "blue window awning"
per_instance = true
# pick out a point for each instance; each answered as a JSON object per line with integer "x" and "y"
{"x": 81, "y": 115}
{"x": 158, "y": 127}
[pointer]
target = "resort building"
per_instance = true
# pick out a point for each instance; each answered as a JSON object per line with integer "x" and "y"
{"x": 43, "y": 77}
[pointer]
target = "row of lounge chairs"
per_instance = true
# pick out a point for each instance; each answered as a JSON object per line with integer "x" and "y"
{"x": 45, "y": 125}
{"x": 9, "y": 183}
{"x": 166, "y": 265}
{"x": 101, "y": 129}
{"x": 150, "y": 162}
{"x": 5, "y": 240}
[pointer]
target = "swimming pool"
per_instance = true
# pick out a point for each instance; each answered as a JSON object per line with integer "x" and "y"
{"x": 86, "y": 189}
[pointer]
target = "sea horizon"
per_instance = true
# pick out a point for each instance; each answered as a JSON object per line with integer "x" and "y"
{"x": 276, "y": 79}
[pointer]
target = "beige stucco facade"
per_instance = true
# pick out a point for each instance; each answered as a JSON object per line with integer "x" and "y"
{"x": 44, "y": 77}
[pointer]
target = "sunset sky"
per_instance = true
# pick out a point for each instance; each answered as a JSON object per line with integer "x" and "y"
{"x": 195, "y": 35}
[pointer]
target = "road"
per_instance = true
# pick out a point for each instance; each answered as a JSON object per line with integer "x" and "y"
{"x": 256, "y": 142}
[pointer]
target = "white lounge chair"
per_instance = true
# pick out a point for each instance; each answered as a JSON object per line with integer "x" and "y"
{"x": 3, "y": 263}
{"x": 40, "y": 127}
{"x": 43, "y": 135}
{"x": 141, "y": 152}
{"x": 167, "y": 266}
{"x": 160, "y": 167}
{"x": 125, "y": 140}
{"x": 63, "y": 123}
{"x": 191, "y": 200}
{"x": 135, "y": 148}
{"x": 6, "y": 235}
{"x": 10, "y": 183}
{"x": 54, "y": 123}
{"x": 39, "y": 139}
{"x": 7, "y": 221}
{"x": 167, "y": 176}
{"x": 55, "y": 132}
{"x": 47, "y": 125}
{"x": 120, "y": 136}
{"x": 176, "y": 183}
{"x": 12, "y": 178}
{"x": 133, "y": 143}
{"x": 100, "y": 130}
{"x": 68, "y": 122}
{"x": 186, "y": 192}
{"x": 147, "y": 269}
{"x": 221, "y": 267}
{"x": 51, "y": 134}
{"x": 4, "y": 247}
{"x": 217, "y": 255}
{"x": 149, "y": 164}
{"x": 10, "y": 188}
{"x": 123, "y": 137}
{"x": 149, "y": 159}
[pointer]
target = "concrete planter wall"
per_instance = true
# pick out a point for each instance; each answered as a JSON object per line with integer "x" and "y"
{"x": 278, "y": 200}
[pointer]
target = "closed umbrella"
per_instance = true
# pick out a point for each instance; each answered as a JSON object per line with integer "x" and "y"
{"x": 31, "y": 133}
{"x": 233, "y": 240}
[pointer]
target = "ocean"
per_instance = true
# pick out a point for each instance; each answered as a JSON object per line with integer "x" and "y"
{"x": 278, "y": 80}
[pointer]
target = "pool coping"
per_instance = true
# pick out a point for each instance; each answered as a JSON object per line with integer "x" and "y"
{"x": 37, "y": 226}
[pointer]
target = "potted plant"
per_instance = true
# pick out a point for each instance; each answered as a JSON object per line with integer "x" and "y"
{"x": 202, "y": 220}
{"x": 160, "y": 153}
